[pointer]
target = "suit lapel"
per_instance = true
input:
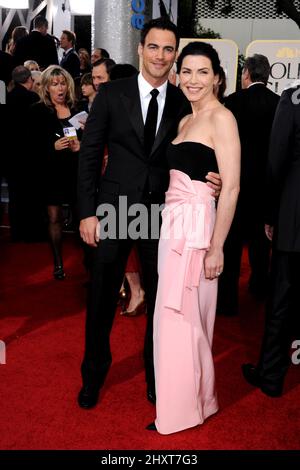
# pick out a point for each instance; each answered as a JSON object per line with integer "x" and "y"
{"x": 131, "y": 100}
{"x": 167, "y": 121}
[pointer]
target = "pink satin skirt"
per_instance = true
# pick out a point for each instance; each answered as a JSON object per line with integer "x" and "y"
{"x": 185, "y": 309}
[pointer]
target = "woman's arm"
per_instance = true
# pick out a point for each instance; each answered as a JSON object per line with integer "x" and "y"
{"x": 227, "y": 148}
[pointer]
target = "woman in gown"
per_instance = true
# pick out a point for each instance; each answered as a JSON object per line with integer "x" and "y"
{"x": 190, "y": 256}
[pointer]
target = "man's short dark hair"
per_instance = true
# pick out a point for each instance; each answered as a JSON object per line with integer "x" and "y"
{"x": 104, "y": 53}
{"x": 109, "y": 64}
{"x": 86, "y": 79}
{"x": 40, "y": 21}
{"x": 20, "y": 74}
{"x": 160, "y": 23}
{"x": 258, "y": 68}
{"x": 70, "y": 36}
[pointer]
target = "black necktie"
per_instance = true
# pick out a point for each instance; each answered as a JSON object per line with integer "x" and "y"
{"x": 151, "y": 122}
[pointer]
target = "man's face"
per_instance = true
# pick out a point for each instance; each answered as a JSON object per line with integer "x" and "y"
{"x": 64, "y": 42}
{"x": 158, "y": 54}
{"x": 99, "y": 75}
{"x": 96, "y": 55}
{"x": 245, "y": 79}
{"x": 43, "y": 30}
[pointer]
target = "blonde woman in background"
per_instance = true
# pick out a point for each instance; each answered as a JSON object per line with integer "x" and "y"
{"x": 31, "y": 65}
{"x": 55, "y": 155}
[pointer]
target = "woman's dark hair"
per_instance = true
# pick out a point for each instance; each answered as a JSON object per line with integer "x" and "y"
{"x": 19, "y": 32}
{"x": 200, "y": 48}
{"x": 221, "y": 85}
{"x": 122, "y": 71}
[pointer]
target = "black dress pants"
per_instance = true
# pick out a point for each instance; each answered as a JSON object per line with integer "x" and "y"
{"x": 251, "y": 231}
{"x": 108, "y": 262}
{"x": 282, "y": 319}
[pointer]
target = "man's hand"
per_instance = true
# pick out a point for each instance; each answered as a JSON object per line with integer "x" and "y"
{"x": 214, "y": 182}
{"x": 88, "y": 231}
{"x": 172, "y": 77}
{"x": 269, "y": 229}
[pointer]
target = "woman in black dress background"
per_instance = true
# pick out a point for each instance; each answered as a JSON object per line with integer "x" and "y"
{"x": 55, "y": 156}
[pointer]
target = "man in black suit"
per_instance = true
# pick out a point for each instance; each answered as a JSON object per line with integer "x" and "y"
{"x": 38, "y": 45}
{"x": 19, "y": 101}
{"x": 70, "y": 60}
{"x": 6, "y": 67}
{"x": 137, "y": 123}
{"x": 254, "y": 108}
{"x": 283, "y": 220}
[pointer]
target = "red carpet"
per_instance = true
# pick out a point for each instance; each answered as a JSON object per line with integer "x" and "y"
{"x": 42, "y": 323}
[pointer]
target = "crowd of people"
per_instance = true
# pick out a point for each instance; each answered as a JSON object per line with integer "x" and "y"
{"x": 186, "y": 146}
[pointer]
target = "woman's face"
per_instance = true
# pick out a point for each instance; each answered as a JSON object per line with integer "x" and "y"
{"x": 33, "y": 67}
{"x": 58, "y": 89}
{"x": 197, "y": 78}
{"x": 83, "y": 58}
{"x": 36, "y": 84}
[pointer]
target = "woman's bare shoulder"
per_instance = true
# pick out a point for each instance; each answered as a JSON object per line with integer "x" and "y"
{"x": 221, "y": 116}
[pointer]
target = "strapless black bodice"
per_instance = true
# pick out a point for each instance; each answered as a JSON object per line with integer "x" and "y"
{"x": 193, "y": 158}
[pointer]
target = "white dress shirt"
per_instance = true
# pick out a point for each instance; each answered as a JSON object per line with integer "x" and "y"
{"x": 145, "y": 88}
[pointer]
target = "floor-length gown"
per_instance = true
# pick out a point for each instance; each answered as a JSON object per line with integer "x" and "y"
{"x": 186, "y": 301}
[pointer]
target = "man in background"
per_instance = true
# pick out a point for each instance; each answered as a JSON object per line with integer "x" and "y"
{"x": 19, "y": 174}
{"x": 70, "y": 60}
{"x": 254, "y": 109}
{"x": 38, "y": 45}
{"x": 283, "y": 227}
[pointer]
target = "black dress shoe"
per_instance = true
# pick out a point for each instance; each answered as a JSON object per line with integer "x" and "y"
{"x": 88, "y": 397}
{"x": 59, "y": 273}
{"x": 151, "y": 395}
{"x": 251, "y": 375}
{"x": 151, "y": 427}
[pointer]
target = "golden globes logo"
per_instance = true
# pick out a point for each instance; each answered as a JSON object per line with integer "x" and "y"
{"x": 285, "y": 69}
{"x": 288, "y": 52}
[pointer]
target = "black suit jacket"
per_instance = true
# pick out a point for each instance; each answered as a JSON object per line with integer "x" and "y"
{"x": 18, "y": 104}
{"x": 6, "y": 67}
{"x": 254, "y": 109}
{"x": 71, "y": 63}
{"x": 116, "y": 120}
{"x": 283, "y": 177}
{"x": 36, "y": 47}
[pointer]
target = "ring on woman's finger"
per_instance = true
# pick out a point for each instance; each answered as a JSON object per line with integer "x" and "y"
{"x": 218, "y": 274}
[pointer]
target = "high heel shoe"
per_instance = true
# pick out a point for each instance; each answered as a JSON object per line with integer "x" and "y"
{"x": 151, "y": 427}
{"x": 123, "y": 297}
{"x": 138, "y": 310}
{"x": 59, "y": 273}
